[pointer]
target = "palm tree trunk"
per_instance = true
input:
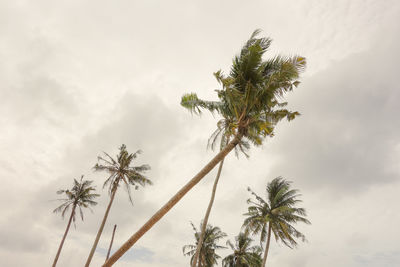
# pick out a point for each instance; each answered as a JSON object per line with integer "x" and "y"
{"x": 65, "y": 235}
{"x": 96, "y": 241}
{"x": 200, "y": 261}
{"x": 178, "y": 196}
{"x": 267, "y": 245}
{"x": 205, "y": 220}
{"x": 111, "y": 242}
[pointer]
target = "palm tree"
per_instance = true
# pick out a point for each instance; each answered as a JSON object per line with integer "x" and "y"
{"x": 250, "y": 107}
{"x": 80, "y": 195}
{"x": 244, "y": 255}
{"x": 120, "y": 171}
{"x": 226, "y": 126}
{"x": 276, "y": 214}
{"x": 208, "y": 256}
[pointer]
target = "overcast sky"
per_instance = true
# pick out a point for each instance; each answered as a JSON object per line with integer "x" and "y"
{"x": 81, "y": 77}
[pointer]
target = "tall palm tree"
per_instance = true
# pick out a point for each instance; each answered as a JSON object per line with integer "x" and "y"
{"x": 276, "y": 215}
{"x": 249, "y": 104}
{"x": 244, "y": 255}
{"x": 120, "y": 171}
{"x": 226, "y": 126}
{"x": 80, "y": 196}
{"x": 208, "y": 256}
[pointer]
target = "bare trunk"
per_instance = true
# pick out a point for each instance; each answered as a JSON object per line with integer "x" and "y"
{"x": 267, "y": 245}
{"x": 205, "y": 220}
{"x": 65, "y": 235}
{"x": 161, "y": 212}
{"x": 200, "y": 260}
{"x": 111, "y": 242}
{"x": 96, "y": 241}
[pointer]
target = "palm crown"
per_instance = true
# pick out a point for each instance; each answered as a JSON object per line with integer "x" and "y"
{"x": 208, "y": 256}
{"x": 244, "y": 254}
{"x": 249, "y": 102}
{"x": 121, "y": 170}
{"x": 80, "y": 195}
{"x": 279, "y": 211}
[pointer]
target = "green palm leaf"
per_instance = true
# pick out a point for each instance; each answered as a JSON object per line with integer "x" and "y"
{"x": 208, "y": 256}
{"x": 277, "y": 212}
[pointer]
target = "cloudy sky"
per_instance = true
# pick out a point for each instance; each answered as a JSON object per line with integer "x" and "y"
{"x": 81, "y": 77}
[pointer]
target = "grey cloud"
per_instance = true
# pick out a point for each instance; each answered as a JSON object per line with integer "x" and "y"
{"x": 140, "y": 122}
{"x": 22, "y": 236}
{"x": 76, "y": 83}
{"x": 31, "y": 91}
{"x": 389, "y": 258}
{"x": 349, "y": 128}
{"x": 22, "y": 229}
{"x": 39, "y": 99}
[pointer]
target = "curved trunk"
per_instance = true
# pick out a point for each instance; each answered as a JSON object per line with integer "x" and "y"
{"x": 205, "y": 220}
{"x": 267, "y": 246}
{"x": 111, "y": 242}
{"x": 96, "y": 241}
{"x": 65, "y": 235}
{"x": 164, "y": 209}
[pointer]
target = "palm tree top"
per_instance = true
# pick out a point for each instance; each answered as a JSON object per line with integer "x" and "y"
{"x": 250, "y": 99}
{"x": 208, "y": 256}
{"x": 79, "y": 195}
{"x": 244, "y": 254}
{"x": 121, "y": 169}
{"x": 279, "y": 210}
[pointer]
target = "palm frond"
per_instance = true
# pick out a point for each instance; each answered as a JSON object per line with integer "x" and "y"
{"x": 121, "y": 169}
{"x": 279, "y": 211}
{"x": 208, "y": 255}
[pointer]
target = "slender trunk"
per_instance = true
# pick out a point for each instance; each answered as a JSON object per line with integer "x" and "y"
{"x": 200, "y": 260}
{"x": 111, "y": 242}
{"x": 205, "y": 220}
{"x": 96, "y": 241}
{"x": 65, "y": 235}
{"x": 161, "y": 212}
{"x": 267, "y": 245}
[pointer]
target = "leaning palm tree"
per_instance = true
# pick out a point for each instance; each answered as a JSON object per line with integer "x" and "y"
{"x": 120, "y": 171}
{"x": 225, "y": 130}
{"x": 80, "y": 196}
{"x": 276, "y": 215}
{"x": 244, "y": 255}
{"x": 208, "y": 256}
{"x": 249, "y": 104}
